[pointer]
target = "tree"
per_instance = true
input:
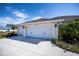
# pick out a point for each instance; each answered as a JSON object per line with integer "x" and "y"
{"x": 12, "y": 26}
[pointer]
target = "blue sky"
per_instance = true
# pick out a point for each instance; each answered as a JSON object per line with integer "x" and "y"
{"x": 21, "y": 12}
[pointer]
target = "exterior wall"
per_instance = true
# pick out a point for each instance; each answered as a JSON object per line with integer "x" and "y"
{"x": 20, "y": 31}
{"x": 55, "y": 35}
{"x": 44, "y": 30}
{"x": 25, "y": 31}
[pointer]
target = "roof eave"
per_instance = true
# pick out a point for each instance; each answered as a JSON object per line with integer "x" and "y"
{"x": 53, "y": 21}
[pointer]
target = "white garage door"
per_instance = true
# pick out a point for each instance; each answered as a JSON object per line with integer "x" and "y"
{"x": 40, "y": 30}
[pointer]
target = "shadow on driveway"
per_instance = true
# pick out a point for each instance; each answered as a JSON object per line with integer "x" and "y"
{"x": 28, "y": 39}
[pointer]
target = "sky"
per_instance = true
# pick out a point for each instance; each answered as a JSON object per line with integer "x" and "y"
{"x": 16, "y": 13}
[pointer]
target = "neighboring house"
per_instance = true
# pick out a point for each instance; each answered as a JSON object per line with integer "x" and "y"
{"x": 41, "y": 28}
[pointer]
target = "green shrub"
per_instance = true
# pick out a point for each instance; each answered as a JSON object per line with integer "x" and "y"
{"x": 69, "y": 32}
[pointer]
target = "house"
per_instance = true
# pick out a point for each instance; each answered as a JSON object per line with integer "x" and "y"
{"x": 41, "y": 28}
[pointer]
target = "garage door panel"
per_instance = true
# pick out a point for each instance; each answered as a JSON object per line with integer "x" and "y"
{"x": 40, "y": 30}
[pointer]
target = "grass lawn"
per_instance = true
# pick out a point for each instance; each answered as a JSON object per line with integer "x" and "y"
{"x": 1, "y": 37}
{"x": 66, "y": 46}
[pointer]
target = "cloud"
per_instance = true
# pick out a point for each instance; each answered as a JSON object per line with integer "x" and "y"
{"x": 20, "y": 21}
{"x": 6, "y": 20}
{"x": 20, "y": 14}
{"x": 17, "y": 13}
{"x": 38, "y": 17}
{"x": 9, "y": 20}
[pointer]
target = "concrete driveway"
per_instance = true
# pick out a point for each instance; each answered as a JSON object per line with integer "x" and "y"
{"x": 19, "y": 46}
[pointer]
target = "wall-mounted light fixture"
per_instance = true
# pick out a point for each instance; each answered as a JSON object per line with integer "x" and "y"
{"x": 44, "y": 33}
{"x": 31, "y": 32}
{"x": 23, "y": 26}
{"x": 55, "y": 25}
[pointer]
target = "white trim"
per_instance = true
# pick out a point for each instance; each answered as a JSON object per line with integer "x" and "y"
{"x": 24, "y": 34}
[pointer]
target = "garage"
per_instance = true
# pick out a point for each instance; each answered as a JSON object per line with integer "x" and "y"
{"x": 40, "y": 30}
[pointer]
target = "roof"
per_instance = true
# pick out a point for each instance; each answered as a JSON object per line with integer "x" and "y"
{"x": 38, "y": 20}
{"x": 66, "y": 18}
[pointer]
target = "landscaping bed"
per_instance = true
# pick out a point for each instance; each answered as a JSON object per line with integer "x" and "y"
{"x": 66, "y": 46}
{"x": 68, "y": 38}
